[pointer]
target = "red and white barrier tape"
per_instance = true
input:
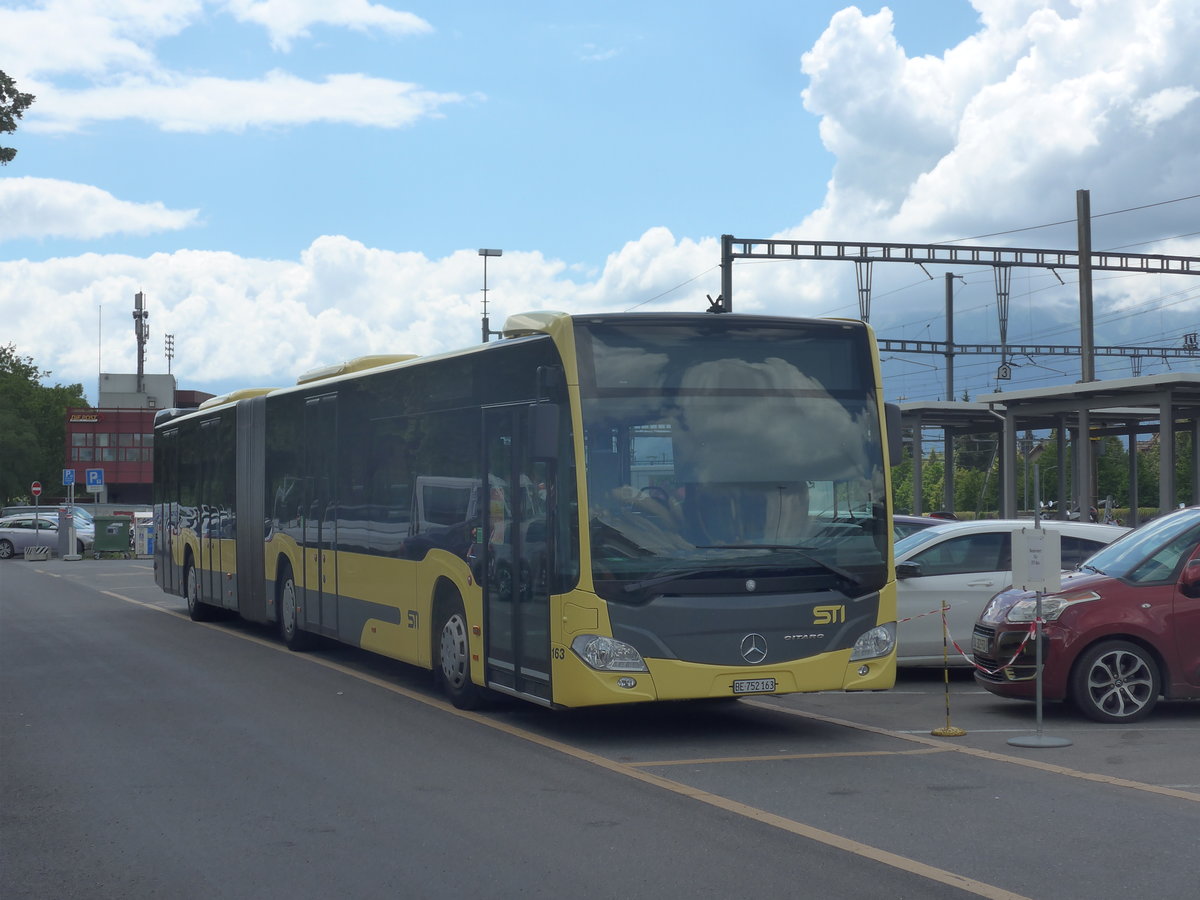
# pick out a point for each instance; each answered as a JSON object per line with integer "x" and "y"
{"x": 932, "y": 612}
{"x": 1021, "y": 646}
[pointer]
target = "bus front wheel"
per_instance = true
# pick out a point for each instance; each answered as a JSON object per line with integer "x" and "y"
{"x": 453, "y": 662}
{"x": 295, "y": 637}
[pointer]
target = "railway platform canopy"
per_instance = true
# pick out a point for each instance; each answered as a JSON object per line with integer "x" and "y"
{"x": 1164, "y": 405}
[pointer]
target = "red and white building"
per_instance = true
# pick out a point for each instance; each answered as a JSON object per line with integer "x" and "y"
{"x": 118, "y": 435}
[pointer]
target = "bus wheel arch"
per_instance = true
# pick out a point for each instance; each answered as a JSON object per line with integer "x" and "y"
{"x": 451, "y": 648}
{"x": 286, "y": 596}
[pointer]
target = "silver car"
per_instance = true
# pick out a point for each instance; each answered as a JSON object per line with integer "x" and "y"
{"x": 21, "y": 531}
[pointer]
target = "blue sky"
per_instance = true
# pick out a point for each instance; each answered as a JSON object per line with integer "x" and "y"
{"x": 295, "y": 182}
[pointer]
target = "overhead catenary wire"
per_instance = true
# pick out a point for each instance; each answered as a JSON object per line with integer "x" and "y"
{"x": 1150, "y": 305}
{"x": 673, "y": 289}
{"x": 1115, "y": 212}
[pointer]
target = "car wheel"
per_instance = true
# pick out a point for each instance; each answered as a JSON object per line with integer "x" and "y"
{"x": 295, "y": 637}
{"x": 198, "y": 610}
{"x": 1115, "y": 681}
{"x": 6, "y": 550}
{"x": 453, "y": 662}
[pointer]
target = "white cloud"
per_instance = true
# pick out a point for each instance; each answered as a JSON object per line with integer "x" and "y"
{"x": 262, "y": 322}
{"x": 177, "y": 103}
{"x": 47, "y": 207}
{"x": 84, "y": 37}
{"x": 1047, "y": 97}
{"x": 1166, "y": 104}
{"x": 594, "y": 53}
{"x": 55, "y": 45}
{"x": 287, "y": 20}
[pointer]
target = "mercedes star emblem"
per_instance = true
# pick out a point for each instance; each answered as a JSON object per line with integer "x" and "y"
{"x": 754, "y": 648}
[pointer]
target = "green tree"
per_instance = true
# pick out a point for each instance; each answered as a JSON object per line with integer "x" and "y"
{"x": 970, "y": 490}
{"x": 32, "y": 425}
{"x": 12, "y": 106}
{"x": 1112, "y": 471}
{"x": 902, "y": 485}
{"x": 1148, "y": 480}
{"x": 933, "y": 481}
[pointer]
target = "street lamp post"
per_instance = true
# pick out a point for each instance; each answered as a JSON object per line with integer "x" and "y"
{"x": 485, "y": 253}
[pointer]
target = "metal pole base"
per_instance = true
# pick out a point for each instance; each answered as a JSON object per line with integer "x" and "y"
{"x": 1039, "y": 740}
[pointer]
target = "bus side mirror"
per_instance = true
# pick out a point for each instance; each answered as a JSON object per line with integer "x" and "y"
{"x": 891, "y": 421}
{"x": 543, "y": 431}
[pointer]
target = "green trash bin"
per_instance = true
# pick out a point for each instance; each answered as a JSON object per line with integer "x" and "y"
{"x": 112, "y": 535}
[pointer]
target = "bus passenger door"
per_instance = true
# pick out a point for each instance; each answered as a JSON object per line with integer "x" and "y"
{"x": 516, "y": 566}
{"x": 320, "y": 515}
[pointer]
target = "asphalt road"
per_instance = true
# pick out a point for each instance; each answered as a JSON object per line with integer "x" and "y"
{"x": 143, "y": 755}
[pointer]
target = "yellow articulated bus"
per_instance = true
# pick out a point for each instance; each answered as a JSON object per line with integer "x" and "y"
{"x": 600, "y": 509}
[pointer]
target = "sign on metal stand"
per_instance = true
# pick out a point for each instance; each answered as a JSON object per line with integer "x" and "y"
{"x": 67, "y": 544}
{"x": 1037, "y": 566}
{"x": 36, "y": 490}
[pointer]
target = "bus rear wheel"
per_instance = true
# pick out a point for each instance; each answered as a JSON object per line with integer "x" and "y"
{"x": 295, "y": 637}
{"x": 452, "y": 663}
{"x": 198, "y": 610}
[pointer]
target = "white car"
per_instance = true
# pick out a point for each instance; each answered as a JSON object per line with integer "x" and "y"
{"x": 962, "y": 565}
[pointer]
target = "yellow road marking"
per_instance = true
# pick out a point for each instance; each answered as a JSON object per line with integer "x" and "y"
{"x": 829, "y": 839}
{"x": 988, "y": 754}
{"x": 738, "y": 759}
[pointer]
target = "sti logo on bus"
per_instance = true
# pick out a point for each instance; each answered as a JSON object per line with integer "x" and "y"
{"x": 828, "y": 615}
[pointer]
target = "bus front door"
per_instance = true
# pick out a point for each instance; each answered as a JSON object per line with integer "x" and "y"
{"x": 515, "y": 546}
{"x": 320, "y": 517}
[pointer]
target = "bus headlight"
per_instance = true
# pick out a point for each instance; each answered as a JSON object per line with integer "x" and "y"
{"x": 607, "y": 654}
{"x": 879, "y": 641}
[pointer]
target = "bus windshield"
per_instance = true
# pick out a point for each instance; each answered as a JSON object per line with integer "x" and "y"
{"x": 726, "y": 447}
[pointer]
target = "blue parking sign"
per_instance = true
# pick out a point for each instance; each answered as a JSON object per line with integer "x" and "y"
{"x": 68, "y": 477}
{"x": 95, "y": 477}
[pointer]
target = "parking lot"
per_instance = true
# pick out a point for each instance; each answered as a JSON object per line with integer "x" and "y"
{"x": 855, "y": 773}
{"x": 1159, "y": 751}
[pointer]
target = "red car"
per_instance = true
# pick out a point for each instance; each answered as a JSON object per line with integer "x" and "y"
{"x": 1123, "y": 630}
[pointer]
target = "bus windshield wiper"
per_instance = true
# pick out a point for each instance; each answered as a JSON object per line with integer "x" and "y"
{"x": 679, "y": 574}
{"x": 849, "y": 577}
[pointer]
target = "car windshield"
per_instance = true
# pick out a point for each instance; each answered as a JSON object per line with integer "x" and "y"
{"x": 1152, "y": 552}
{"x": 922, "y": 537}
{"x": 713, "y": 449}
